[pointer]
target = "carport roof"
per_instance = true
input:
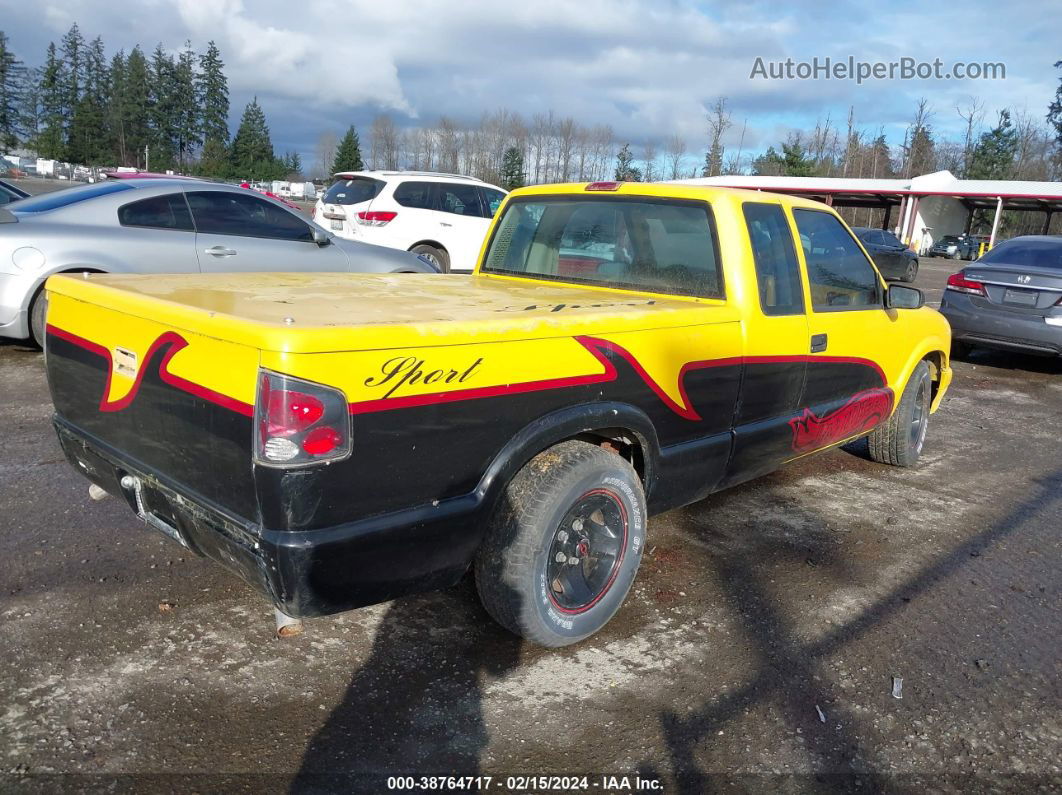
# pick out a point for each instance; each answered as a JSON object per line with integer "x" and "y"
{"x": 1016, "y": 194}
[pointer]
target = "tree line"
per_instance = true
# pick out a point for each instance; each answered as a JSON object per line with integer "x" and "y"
{"x": 160, "y": 111}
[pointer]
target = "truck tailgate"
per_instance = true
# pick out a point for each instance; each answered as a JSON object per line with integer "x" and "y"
{"x": 168, "y": 400}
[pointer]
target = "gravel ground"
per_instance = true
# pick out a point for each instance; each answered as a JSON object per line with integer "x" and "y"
{"x": 758, "y": 650}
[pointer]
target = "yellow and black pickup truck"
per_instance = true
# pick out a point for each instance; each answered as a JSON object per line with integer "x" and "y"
{"x": 620, "y": 350}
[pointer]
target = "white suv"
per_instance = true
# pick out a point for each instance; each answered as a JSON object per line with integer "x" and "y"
{"x": 443, "y": 217}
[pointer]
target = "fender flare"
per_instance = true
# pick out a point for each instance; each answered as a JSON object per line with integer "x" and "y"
{"x": 565, "y": 423}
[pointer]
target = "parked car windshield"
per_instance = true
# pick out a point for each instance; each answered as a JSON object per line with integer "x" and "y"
{"x": 64, "y": 198}
{"x": 1026, "y": 253}
{"x": 634, "y": 244}
{"x": 949, "y": 239}
{"x": 353, "y": 191}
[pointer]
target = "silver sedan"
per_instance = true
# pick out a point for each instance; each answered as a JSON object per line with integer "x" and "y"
{"x": 162, "y": 226}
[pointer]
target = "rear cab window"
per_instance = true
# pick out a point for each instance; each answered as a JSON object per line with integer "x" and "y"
{"x": 353, "y": 191}
{"x": 839, "y": 274}
{"x": 629, "y": 243}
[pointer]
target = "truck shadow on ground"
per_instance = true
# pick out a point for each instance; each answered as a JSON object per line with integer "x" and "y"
{"x": 415, "y": 706}
{"x": 1006, "y": 360}
{"x": 791, "y": 676}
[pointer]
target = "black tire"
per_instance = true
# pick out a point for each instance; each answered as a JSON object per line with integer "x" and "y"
{"x": 438, "y": 256}
{"x": 899, "y": 440}
{"x": 37, "y": 316}
{"x": 520, "y": 580}
{"x": 910, "y": 272}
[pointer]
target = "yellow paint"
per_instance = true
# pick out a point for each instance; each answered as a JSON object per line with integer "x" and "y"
{"x": 345, "y": 329}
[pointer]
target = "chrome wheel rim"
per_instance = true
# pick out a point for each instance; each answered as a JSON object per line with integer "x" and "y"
{"x": 920, "y": 417}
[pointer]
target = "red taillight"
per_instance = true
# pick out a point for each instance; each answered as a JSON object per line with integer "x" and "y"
{"x": 321, "y": 441}
{"x": 375, "y": 217}
{"x": 299, "y": 422}
{"x": 603, "y": 186}
{"x": 960, "y": 284}
{"x": 291, "y": 412}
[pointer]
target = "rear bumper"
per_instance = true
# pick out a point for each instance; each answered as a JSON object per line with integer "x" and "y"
{"x": 999, "y": 329}
{"x": 303, "y": 573}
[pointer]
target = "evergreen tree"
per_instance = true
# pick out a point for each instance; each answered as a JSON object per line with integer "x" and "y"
{"x": 769, "y": 164}
{"x": 625, "y": 168}
{"x": 73, "y": 78}
{"x": 993, "y": 157}
{"x": 348, "y": 153}
{"x": 214, "y": 160}
{"x": 185, "y": 122}
{"x": 212, "y": 95}
{"x": 292, "y": 162}
{"x": 87, "y": 133}
{"x": 134, "y": 104}
{"x": 251, "y": 153}
{"x": 163, "y": 111}
{"x": 29, "y": 108}
{"x": 1054, "y": 111}
{"x": 50, "y": 142}
{"x": 512, "y": 175}
{"x": 113, "y": 112}
{"x": 12, "y": 75}
{"x": 795, "y": 160}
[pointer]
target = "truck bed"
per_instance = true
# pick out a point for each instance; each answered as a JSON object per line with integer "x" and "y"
{"x": 317, "y": 312}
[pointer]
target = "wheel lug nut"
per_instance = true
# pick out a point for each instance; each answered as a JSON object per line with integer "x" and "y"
{"x": 577, "y": 525}
{"x": 562, "y": 536}
{"x": 561, "y": 557}
{"x": 573, "y": 561}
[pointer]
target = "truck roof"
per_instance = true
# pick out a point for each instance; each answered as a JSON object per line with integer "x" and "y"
{"x": 665, "y": 190}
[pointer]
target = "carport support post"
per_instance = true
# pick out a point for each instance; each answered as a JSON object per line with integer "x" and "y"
{"x": 995, "y": 221}
{"x": 1047, "y": 221}
{"x": 887, "y": 218}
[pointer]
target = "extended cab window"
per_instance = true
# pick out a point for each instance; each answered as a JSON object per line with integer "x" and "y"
{"x": 628, "y": 243}
{"x": 839, "y": 274}
{"x": 777, "y": 270}
{"x": 231, "y": 213}
{"x": 158, "y": 212}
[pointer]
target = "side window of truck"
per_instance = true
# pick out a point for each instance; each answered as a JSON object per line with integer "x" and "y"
{"x": 777, "y": 270}
{"x": 839, "y": 274}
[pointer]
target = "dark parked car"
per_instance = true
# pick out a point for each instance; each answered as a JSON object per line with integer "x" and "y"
{"x": 893, "y": 258}
{"x": 958, "y": 246}
{"x": 1011, "y": 298}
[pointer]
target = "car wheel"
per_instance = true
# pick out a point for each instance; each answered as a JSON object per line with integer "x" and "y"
{"x": 437, "y": 256}
{"x": 899, "y": 440}
{"x": 911, "y": 272}
{"x": 564, "y": 545}
{"x": 38, "y": 315}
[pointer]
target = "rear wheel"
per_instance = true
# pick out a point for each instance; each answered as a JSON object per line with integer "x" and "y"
{"x": 899, "y": 440}
{"x": 564, "y": 544}
{"x": 37, "y": 314}
{"x": 437, "y": 256}
{"x": 911, "y": 272}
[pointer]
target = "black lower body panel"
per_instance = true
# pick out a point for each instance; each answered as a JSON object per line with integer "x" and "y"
{"x": 303, "y": 573}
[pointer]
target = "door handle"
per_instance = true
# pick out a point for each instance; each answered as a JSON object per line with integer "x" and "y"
{"x": 818, "y": 343}
{"x": 220, "y": 251}
{"x": 443, "y": 223}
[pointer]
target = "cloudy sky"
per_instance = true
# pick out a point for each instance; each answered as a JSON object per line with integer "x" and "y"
{"x": 647, "y": 67}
